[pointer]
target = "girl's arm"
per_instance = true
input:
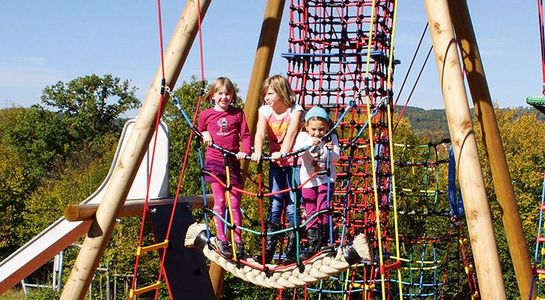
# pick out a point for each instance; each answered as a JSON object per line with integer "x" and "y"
{"x": 261, "y": 128}
{"x": 201, "y": 126}
{"x": 245, "y": 138}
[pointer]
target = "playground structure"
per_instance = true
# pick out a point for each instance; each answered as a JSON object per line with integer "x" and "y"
{"x": 363, "y": 76}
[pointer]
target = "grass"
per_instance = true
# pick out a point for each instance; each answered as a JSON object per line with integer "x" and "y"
{"x": 13, "y": 294}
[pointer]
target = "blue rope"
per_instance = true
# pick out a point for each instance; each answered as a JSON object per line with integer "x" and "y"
{"x": 455, "y": 200}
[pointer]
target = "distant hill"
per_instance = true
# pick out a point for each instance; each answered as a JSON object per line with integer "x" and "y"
{"x": 432, "y": 123}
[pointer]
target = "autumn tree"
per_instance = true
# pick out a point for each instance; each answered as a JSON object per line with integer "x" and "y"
{"x": 523, "y": 142}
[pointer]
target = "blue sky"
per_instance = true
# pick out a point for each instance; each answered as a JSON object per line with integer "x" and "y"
{"x": 44, "y": 42}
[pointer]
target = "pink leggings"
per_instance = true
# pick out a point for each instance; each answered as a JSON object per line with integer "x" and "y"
{"x": 315, "y": 199}
{"x": 219, "y": 207}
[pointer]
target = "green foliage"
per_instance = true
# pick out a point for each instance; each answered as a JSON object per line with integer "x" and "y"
{"x": 236, "y": 288}
{"x": 523, "y": 140}
{"x": 43, "y": 294}
{"x": 91, "y": 104}
{"x": 78, "y": 176}
{"x": 40, "y": 138}
{"x": 13, "y": 294}
{"x": 188, "y": 95}
{"x": 52, "y": 158}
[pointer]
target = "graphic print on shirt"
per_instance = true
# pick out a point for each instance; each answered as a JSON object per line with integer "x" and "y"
{"x": 279, "y": 128}
{"x": 222, "y": 126}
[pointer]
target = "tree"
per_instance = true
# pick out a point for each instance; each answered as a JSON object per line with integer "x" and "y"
{"x": 91, "y": 104}
{"x": 523, "y": 141}
{"x": 179, "y": 131}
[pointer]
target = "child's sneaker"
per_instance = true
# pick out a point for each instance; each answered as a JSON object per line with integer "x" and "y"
{"x": 239, "y": 247}
{"x": 225, "y": 248}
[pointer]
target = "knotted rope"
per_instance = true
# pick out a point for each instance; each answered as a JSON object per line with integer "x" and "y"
{"x": 319, "y": 267}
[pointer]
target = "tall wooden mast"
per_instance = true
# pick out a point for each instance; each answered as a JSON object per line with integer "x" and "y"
{"x": 484, "y": 111}
{"x": 469, "y": 172}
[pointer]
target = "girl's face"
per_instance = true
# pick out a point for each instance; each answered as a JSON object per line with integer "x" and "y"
{"x": 272, "y": 98}
{"x": 222, "y": 98}
{"x": 316, "y": 128}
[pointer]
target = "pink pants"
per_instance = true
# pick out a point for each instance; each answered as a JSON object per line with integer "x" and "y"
{"x": 219, "y": 207}
{"x": 315, "y": 199}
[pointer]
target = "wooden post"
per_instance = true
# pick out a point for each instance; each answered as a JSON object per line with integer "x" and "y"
{"x": 125, "y": 170}
{"x": 469, "y": 171}
{"x": 260, "y": 71}
{"x": 484, "y": 111}
{"x": 133, "y": 208}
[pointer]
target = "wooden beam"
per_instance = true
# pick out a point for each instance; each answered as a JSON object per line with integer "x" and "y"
{"x": 131, "y": 157}
{"x": 479, "y": 221}
{"x": 484, "y": 111}
{"x": 132, "y": 208}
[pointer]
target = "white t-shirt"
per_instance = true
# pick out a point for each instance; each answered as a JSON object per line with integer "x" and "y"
{"x": 314, "y": 159}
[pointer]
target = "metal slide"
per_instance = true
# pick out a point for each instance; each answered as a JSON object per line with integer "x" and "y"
{"x": 62, "y": 233}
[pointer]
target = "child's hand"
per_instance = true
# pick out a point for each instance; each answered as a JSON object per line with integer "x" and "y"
{"x": 329, "y": 145}
{"x": 241, "y": 155}
{"x": 206, "y": 138}
{"x": 316, "y": 141}
{"x": 276, "y": 155}
{"x": 256, "y": 156}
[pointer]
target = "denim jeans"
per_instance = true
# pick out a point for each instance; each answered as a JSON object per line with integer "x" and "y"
{"x": 281, "y": 178}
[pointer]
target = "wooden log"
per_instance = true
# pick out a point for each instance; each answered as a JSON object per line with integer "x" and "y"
{"x": 133, "y": 208}
{"x": 131, "y": 157}
{"x": 484, "y": 111}
{"x": 469, "y": 171}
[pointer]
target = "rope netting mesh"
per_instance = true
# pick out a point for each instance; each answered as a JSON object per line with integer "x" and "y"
{"x": 340, "y": 57}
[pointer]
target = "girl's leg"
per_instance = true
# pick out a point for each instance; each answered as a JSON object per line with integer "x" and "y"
{"x": 219, "y": 207}
{"x": 237, "y": 214}
{"x": 321, "y": 203}
{"x": 309, "y": 200}
{"x": 277, "y": 182}
{"x": 293, "y": 213}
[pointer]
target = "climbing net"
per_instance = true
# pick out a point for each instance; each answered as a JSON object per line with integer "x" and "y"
{"x": 340, "y": 57}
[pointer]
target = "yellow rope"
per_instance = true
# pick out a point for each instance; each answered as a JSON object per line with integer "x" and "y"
{"x": 346, "y": 282}
{"x": 372, "y": 153}
{"x": 391, "y": 135}
{"x": 228, "y": 198}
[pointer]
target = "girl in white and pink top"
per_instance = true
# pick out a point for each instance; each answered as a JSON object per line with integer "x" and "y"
{"x": 280, "y": 118}
{"x": 316, "y": 190}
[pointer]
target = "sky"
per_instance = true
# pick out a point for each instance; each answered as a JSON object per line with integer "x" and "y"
{"x": 44, "y": 42}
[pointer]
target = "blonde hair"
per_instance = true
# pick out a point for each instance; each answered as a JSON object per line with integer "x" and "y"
{"x": 221, "y": 82}
{"x": 280, "y": 85}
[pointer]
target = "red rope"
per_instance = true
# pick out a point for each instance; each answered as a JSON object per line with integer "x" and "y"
{"x": 160, "y": 21}
{"x": 157, "y": 122}
{"x": 188, "y": 147}
{"x": 148, "y": 180}
{"x": 412, "y": 90}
